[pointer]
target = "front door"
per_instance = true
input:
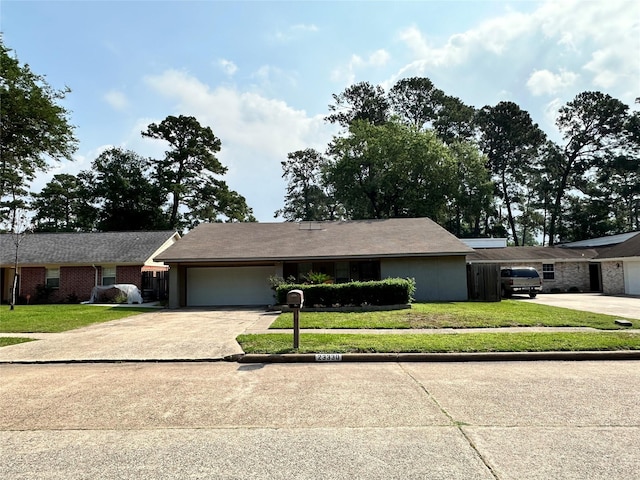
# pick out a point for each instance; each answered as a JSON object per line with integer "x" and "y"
{"x": 595, "y": 275}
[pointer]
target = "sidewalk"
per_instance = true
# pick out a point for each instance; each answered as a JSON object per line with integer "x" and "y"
{"x": 208, "y": 335}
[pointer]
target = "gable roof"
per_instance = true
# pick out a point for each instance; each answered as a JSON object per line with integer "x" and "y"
{"x": 531, "y": 254}
{"x": 84, "y": 248}
{"x": 628, "y": 248}
{"x": 242, "y": 242}
{"x": 601, "y": 241}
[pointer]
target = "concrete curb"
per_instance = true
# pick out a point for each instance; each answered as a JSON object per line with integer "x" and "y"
{"x": 438, "y": 357}
{"x": 361, "y": 357}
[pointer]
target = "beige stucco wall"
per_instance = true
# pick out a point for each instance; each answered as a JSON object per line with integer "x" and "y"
{"x": 437, "y": 278}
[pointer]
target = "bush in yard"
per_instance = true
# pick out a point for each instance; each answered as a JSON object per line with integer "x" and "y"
{"x": 391, "y": 291}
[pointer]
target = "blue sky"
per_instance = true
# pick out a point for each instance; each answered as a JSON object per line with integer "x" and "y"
{"x": 261, "y": 73}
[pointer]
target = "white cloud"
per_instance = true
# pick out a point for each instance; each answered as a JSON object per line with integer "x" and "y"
{"x": 347, "y": 74}
{"x": 293, "y": 32}
{"x": 256, "y": 133}
{"x": 494, "y": 36}
{"x": 116, "y": 99}
{"x": 305, "y": 27}
{"x": 544, "y": 82}
{"x": 227, "y": 66}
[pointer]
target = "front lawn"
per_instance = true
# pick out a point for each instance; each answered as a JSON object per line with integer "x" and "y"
{"x": 279, "y": 343}
{"x": 508, "y": 313}
{"x": 6, "y": 341}
{"x": 59, "y": 318}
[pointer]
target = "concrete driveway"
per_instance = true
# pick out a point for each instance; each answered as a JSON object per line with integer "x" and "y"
{"x": 186, "y": 334}
{"x": 623, "y": 306}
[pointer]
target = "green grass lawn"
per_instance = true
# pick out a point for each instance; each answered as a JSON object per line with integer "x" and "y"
{"x": 279, "y": 343}
{"x": 59, "y": 318}
{"x": 6, "y": 341}
{"x": 508, "y": 313}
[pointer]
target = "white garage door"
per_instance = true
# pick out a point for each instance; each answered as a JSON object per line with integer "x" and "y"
{"x": 632, "y": 278}
{"x": 213, "y": 286}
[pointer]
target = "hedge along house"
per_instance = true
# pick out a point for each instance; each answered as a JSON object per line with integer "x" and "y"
{"x": 66, "y": 266}
{"x": 223, "y": 264}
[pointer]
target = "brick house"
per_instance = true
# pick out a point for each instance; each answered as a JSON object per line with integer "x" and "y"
{"x": 610, "y": 265}
{"x": 58, "y": 267}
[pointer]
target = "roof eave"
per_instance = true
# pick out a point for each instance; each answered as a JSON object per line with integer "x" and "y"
{"x": 310, "y": 258}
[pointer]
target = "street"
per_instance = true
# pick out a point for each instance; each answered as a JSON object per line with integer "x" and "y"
{"x": 490, "y": 420}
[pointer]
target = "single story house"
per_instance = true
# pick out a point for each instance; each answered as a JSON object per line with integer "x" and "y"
{"x": 232, "y": 263}
{"x": 619, "y": 257}
{"x": 610, "y": 265}
{"x": 66, "y": 266}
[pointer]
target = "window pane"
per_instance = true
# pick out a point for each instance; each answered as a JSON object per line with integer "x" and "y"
{"x": 108, "y": 275}
{"x": 53, "y": 277}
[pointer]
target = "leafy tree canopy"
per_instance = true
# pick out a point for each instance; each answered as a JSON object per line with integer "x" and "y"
{"x": 34, "y": 127}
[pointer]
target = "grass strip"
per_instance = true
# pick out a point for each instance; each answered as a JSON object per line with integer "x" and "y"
{"x": 508, "y": 313}
{"x": 441, "y": 343}
{"x": 6, "y": 341}
{"x": 59, "y": 318}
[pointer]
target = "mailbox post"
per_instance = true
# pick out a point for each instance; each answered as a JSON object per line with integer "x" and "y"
{"x": 295, "y": 300}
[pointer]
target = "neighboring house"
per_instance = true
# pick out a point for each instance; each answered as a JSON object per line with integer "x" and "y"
{"x": 231, "y": 263}
{"x": 561, "y": 269}
{"x": 610, "y": 265}
{"x": 69, "y": 265}
{"x": 619, "y": 259}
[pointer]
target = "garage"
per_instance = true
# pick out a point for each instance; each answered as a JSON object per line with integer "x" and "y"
{"x": 220, "y": 286}
{"x": 632, "y": 278}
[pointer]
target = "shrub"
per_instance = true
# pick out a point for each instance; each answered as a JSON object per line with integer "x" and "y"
{"x": 391, "y": 291}
{"x": 72, "y": 298}
{"x": 317, "y": 278}
{"x": 43, "y": 293}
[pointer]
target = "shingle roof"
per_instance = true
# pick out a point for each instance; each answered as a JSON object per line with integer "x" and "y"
{"x": 531, "y": 254}
{"x": 83, "y": 248}
{"x": 629, "y": 248}
{"x": 238, "y": 242}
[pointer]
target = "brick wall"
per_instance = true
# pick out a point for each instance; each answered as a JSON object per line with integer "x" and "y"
{"x": 130, "y": 274}
{"x": 567, "y": 275}
{"x": 612, "y": 278}
{"x": 76, "y": 282}
{"x": 30, "y": 278}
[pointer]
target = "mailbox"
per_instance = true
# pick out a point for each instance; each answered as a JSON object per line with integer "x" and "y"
{"x": 295, "y": 298}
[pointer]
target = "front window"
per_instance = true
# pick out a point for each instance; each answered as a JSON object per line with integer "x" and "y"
{"x": 548, "y": 271}
{"x": 108, "y": 275}
{"x": 53, "y": 278}
{"x": 338, "y": 272}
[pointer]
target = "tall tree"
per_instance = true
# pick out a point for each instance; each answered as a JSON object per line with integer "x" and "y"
{"x": 308, "y": 197}
{"x": 64, "y": 205}
{"x": 361, "y": 101}
{"x": 127, "y": 199}
{"x": 512, "y": 144}
{"x": 472, "y": 194}
{"x": 34, "y": 127}
{"x": 188, "y": 172}
{"x": 390, "y": 170}
{"x": 592, "y": 125}
{"x": 455, "y": 121}
{"x": 416, "y": 101}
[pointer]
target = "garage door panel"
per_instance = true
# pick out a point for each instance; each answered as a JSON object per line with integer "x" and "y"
{"x": 217, "y": 286}
{"x": 632, "y": 277}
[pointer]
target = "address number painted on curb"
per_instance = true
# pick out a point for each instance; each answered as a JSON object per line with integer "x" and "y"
{"x": 328, "y": 357}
